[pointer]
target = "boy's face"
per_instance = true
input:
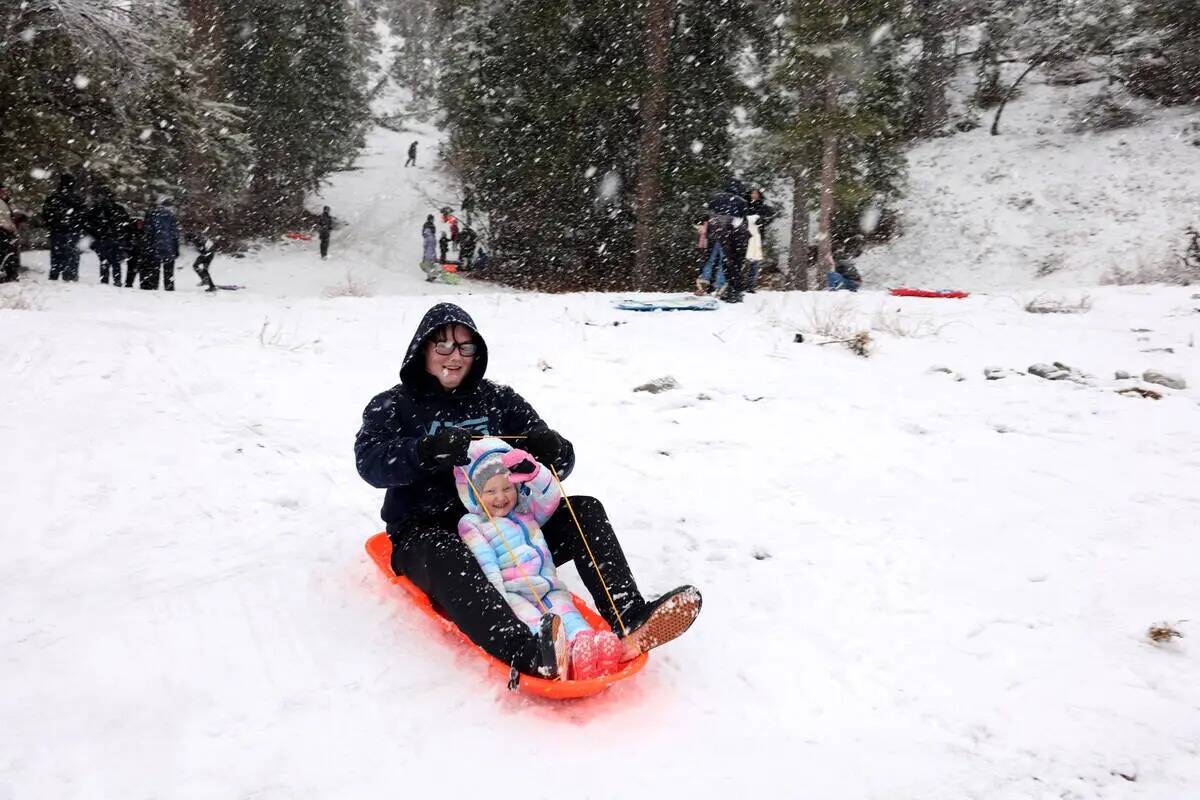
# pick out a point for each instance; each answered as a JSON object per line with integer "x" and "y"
{"x": 498, "y": 495}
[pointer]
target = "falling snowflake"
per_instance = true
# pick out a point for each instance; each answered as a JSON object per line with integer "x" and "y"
{"x": 880, "y": 33}
{"x": 610, "y": 185}
{"x": 28, "y": 35}
{"x": 780, "y": 20}
{"x": 38, "y": 174}
{"x": 589, "y": 172}
{"x": 146, "y": 134}
{"x": 697, "y": 146}
{"x": 82, "y": 81}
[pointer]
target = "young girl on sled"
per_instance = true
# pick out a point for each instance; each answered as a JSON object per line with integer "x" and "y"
{"x": 509, "y": 496}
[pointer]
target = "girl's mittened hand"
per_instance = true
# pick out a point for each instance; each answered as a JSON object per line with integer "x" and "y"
{"x": 521, "y": 466}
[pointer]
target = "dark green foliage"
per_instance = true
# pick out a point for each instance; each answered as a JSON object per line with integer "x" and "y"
{"x": 541, "y": 104}
{"x": 290, "y": 64}
{"x": 848, "y": 44}
{"x": 112, "y": 97}
{"x": 1169, "y": 73}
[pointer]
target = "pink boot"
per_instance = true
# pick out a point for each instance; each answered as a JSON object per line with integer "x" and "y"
{"x": 608, "y": 652}
{"x": 583, "y": 656}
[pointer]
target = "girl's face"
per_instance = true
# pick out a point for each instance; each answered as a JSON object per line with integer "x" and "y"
{"x": 498, "y": 495}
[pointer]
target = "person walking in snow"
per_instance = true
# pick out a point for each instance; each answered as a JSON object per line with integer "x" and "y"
{"x": 63, "y": 214}
{"x": 412, "y": 155}
{"x": 466, "y": 247}
{"x": 712, "y": 273}
{"x": 509, "y": 496}
{"x": 324, "y": 228}
{"x": 443, "y": 246}
{"x": 10, "y": 245}
{"x": 452, "y": 221}
{"x": 107, "y": 224}
{"x": 429, "y": 265}
{"x": 727, "y": 230}
{"x": 412, "y": 437}
{"x": 206, "y": 249}
{"x": 758, "y": 216}
{"x": 161, "y": 246}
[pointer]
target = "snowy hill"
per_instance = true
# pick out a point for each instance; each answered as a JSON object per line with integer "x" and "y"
{"x": 1039, "y": 206}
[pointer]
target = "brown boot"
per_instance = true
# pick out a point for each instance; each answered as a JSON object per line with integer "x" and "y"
{"x": 661, "y": 621}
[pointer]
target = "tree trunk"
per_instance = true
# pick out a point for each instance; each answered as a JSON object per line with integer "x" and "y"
{"x": 1037, "y": 61}
{"x": 658, "y": 35}
{"x": 932, "y": 68}
{"x": 828, "y": 176}
{"x": 206, "y": 22}
{"x": 199, "y": 209}
{"x": 798, "y": 246}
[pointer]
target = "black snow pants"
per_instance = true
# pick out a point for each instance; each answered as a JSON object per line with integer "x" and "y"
{"x": 324, "y": 238}
{"x": 109, "y": 253}
{"x": 430, "y": 553}
{"x": 201, "y": 265}
{"x": 150, "y": 271}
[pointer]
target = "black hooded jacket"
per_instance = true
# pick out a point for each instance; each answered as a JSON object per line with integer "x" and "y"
{"x": 385, "y": 449}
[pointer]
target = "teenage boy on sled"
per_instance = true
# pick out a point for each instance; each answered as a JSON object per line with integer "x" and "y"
{"x": 414, "y": 435}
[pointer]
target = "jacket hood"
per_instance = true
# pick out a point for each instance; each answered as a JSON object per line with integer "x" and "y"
{"x": 482, "y": 452}
{"x": 412, "y": 371}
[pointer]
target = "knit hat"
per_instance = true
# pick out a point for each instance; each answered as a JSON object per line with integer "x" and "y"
{"x": 490, "y": 468}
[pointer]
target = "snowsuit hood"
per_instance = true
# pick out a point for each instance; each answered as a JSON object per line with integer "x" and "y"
{"x": 484, "y": 454}
{"x": 412, "y": 372}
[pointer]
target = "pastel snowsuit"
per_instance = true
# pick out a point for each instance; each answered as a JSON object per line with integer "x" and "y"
{"x": 511, "y": 549}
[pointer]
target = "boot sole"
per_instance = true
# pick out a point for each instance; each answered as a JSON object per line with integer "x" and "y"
{"x": 669, "y": 621}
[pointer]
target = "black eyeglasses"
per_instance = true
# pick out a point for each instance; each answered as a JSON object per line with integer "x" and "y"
{"x": 465, "y": 349}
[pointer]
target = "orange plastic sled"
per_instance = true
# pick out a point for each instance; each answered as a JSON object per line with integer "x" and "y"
{"x": 379, "y": 548}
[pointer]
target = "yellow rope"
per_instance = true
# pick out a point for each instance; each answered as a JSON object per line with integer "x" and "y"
{"x": 503, "y": 541}
{"x": 588, "y": 547}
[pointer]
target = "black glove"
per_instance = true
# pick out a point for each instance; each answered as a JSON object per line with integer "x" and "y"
{"x": 444, "y": 449}
{"x": 523, "y": 467}
{"x": 545, "y": 445}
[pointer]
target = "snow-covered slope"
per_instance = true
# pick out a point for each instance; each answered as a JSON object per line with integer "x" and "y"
{"x": 1040, "y": 206}
{"x": 915, "y": 587}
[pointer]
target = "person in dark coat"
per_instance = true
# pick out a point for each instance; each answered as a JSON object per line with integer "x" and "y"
{"x": 135, "y": 249}
{"x": 412, "y": 437}
{"x": 412, "y": 155}
{"x": 761, "y": 215}
{"x": 162, "y": 246}
{"x": 728, "y": 229}
{"x": 10, "y": 245}
{"x": 324, "y": 228}
{"x": 443, "y": 246}
{"x": 63, "y": 214}
{"x": 466, "y": 247}
{"x": 108, "y": 225}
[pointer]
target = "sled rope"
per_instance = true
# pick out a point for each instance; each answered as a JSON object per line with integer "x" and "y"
{"x": 503, "y": 541}
{"x": 588, "y": 547}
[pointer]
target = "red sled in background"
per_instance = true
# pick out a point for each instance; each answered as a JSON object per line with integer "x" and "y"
{"x": 379, "y": 548}
{"x": 904, "y": 291}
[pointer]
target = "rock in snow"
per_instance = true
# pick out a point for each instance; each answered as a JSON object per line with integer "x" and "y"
{"x": 658, "y": 385}
{"x": 1169, "y": 379}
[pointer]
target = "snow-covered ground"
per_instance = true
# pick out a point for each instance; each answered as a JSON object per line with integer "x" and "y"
{"x": 1039, "y": 206}
{"x": 916, "y": 586}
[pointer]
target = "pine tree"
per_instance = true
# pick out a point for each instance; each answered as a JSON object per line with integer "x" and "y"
{"x": 290, "y": 64}
{"x": 832, "y": 126}
{"x": 542, "y": 107}
{"x": 108, "y": 91}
